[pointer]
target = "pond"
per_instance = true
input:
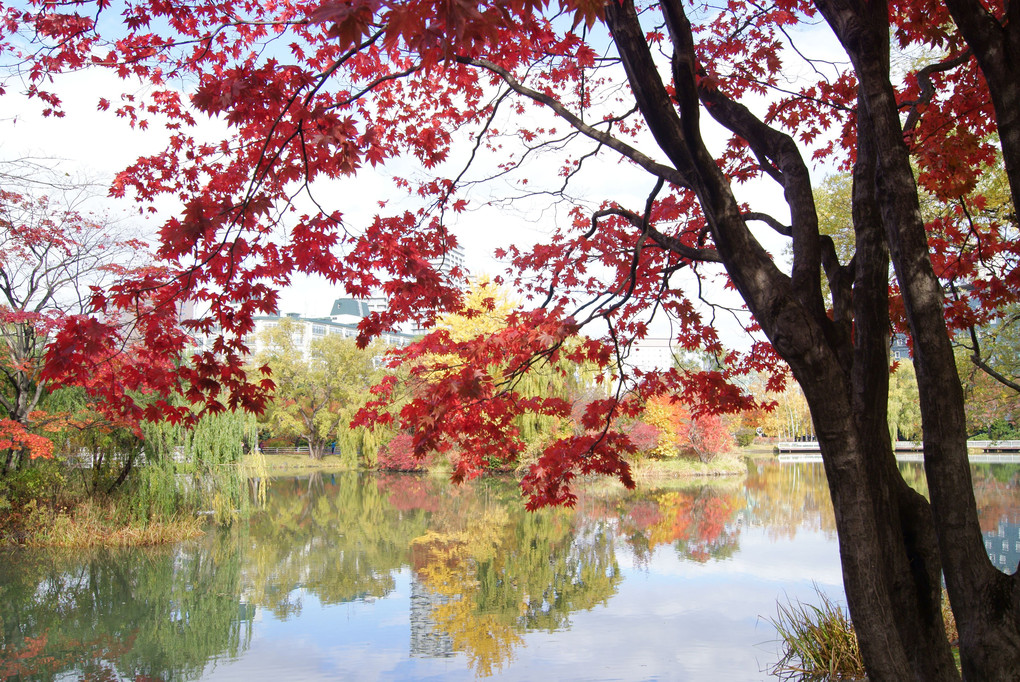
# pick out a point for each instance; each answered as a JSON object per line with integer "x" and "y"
{"x": 402, "y": 577}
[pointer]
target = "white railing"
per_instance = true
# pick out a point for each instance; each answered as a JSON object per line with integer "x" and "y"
{"x": 909, "y": 451}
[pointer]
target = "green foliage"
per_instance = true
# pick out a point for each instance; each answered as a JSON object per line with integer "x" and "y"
{"x": 904, "y": 403}
{"x": 123, "y": 614}
{"x": 40, "y": 481}
{"x": 833, "y": 202}
{"x": 1001, "y": 429}
{"x": 745, "y": 436}
{"x": 819, "y": 642}
{"x": 318, "y": 395}
{"x": 215, "y": 439}
{"x": 164, "y": 489}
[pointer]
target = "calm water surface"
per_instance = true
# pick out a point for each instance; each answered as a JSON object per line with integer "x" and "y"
{"x": 398, "y": 577}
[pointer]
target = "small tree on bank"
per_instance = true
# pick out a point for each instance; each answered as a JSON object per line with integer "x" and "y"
{"x": 51, "y": 255}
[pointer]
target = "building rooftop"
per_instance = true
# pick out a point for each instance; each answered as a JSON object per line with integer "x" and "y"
{"x": 349, "y": 306}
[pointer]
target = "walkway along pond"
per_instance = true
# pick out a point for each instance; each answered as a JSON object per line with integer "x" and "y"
{"x": 397, "y": 577}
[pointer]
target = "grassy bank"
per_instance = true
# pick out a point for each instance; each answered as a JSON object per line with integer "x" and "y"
{"x": 45, "y": 510}
{"x": 650, "y": 470}
{"x": 92, "y": 524}
{"x": 727, "y": 464}
{"x": 55, "y": 505}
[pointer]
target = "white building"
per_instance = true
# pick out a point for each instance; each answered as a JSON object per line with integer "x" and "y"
{"x": 343, "y": 321}
{"x": 651, "y": 354}
{"x": 309, "y": 329}
{"x": 454, "y": 258}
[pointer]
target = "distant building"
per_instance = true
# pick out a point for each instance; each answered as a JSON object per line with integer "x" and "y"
{"x": 1003, "y": 546}
{"x": 309, "y": 329}
{"x": 898, "y": 348}
{"x": 427, "y": 639}
{"x": 306, "y": 330}
{"x": 454, "y": 258}
{"x": 651, "y": 354}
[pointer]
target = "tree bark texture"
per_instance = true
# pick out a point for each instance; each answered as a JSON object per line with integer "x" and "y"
{"x": 894, "y": 545}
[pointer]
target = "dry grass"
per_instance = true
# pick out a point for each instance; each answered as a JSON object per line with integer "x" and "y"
{"x": 728, "y": 464}
{"x": 284, "y": 465}
{"x": 92, "y": 525}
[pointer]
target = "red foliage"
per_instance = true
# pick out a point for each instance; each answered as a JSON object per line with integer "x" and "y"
{"x": 406, "y": 493}
{"x": 311, "y": 92}
{"x": 399, "y": 455}
{"x": 643, "y": 436}
{"x": 708, "y": 437}
{"x": 14, "y": 436}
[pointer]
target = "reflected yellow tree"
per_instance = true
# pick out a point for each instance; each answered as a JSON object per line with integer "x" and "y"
{"x": 495, "y": 571}
{"x": 785, "y": 498}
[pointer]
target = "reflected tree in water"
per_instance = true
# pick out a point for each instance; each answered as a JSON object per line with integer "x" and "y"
{"x": 335, "y": 536}
{"x": 495, "y": 571}
{"x": 700, "y": 521}
{"x": 134, "y": 614}
{"x": 785, "y": 499}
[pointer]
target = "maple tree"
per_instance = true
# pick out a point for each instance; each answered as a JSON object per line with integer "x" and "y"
{"x": 703, "y": 436}
{"x": 314, "y": 90}
{"x": 51, "y": 255}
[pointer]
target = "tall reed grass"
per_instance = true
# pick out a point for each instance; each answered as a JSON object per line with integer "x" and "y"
{"x": 92, "y": 523}
{"x": 819, "y": 642}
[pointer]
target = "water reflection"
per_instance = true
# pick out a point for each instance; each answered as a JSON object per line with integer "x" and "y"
{"x": 458, "y": 575}
{"x": 122, "y": 614}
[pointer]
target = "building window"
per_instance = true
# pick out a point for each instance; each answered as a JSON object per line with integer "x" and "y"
{"x": 318, "y": 330}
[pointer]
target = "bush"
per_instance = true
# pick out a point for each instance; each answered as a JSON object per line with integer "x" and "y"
{"x": 1001, "y": 429}
{"x": 398, "y": 455}
{"x": 40, "y": 481}
{"x": 745, "y": 436}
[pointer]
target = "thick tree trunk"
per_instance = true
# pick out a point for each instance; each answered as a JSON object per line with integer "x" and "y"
{"x": 892, "y": 542}
{"x": 990, "y": 647}
{"x": 996, "y": 44}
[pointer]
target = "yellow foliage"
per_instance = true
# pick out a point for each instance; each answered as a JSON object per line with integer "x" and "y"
{"x": 671, "y": 421}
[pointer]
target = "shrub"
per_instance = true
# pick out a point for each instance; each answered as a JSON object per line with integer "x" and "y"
{"x": 398, "y": 455}
{"x": 819, "y": 642}
{"x": 745, "y": 436}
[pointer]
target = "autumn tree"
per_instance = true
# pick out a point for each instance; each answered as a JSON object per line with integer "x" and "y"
{"x": 488, "y": 311}
{"x": 51, "y": 255}
{"x": 314, "y": 91}
{"x": 318, "y": 392}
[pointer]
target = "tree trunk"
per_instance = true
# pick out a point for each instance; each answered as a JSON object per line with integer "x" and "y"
{"x": 989, "y": 627}
{"x": 125, "y": 470}
{"x": 996, "y": 44}
{"x": 892, "y": 542}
